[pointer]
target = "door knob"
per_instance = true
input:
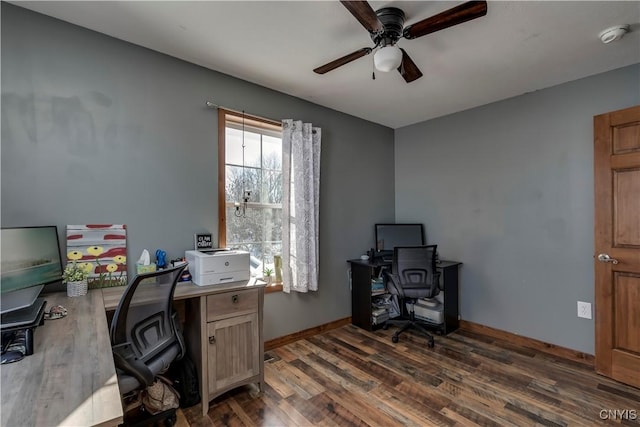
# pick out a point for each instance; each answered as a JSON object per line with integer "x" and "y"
{"x": 607, "y": 258}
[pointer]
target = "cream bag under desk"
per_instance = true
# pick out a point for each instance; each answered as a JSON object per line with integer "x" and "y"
{"x": 216, "y": 267}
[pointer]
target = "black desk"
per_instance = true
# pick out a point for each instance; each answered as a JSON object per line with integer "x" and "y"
{"x": 361, "y": 296}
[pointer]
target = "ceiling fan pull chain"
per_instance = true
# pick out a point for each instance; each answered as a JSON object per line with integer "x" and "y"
{"x": 373, "y": 70}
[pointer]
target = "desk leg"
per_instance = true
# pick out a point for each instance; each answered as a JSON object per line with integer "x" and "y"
{"x": 451, "y": 303}
{"x": 195, "y": 336}
{"x": 28, "y": 338}
{"x": 204, "y": 356}
{"x": 361, "y": 296}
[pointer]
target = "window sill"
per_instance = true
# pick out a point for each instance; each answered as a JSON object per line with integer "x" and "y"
{"x": 274, "y": 287}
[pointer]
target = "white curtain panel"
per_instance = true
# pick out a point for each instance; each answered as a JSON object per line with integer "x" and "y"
{"x": 300, "y": 205}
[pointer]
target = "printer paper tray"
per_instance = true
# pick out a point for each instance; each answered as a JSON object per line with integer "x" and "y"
{"x": 211, "y": 279}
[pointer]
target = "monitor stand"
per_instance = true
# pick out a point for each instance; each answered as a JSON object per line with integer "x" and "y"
{"x": 25, "y": 320}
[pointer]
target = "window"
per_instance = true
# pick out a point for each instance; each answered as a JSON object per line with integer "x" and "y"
{"x": 256, "y": 169}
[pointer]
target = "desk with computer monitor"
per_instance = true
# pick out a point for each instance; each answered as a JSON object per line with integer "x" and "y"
{"x": 366, "y": 269}
{"x": 70, "y": 379}
{"x": 67, "y": 376}
{"x": 30, "y": 260}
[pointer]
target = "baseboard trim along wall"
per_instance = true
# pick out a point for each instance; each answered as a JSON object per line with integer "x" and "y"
{"x": 288, "y": 339}
{"x": 565, "y": 353}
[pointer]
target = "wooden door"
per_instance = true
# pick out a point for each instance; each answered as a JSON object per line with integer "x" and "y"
{"x": 617, "y": 244}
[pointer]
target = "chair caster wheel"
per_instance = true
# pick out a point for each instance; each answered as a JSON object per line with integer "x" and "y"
{"x": 394, "y": 339}
{"x": 171, "y": 421}
{"x": 430, "y": 344}
{"x": 385, "y": 326}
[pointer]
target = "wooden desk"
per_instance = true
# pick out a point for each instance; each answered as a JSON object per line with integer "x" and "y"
{"x": 184, "y": 290}
{"x": 223, "y": 331}
{"x": 70, "y": 379}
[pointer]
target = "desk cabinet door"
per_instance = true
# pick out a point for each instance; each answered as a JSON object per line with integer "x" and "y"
{"x": 233, "y": 351}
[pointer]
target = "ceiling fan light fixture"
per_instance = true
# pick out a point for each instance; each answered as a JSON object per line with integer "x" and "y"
{"x": 387, "y": 58}
{"x": 614, "y": 33}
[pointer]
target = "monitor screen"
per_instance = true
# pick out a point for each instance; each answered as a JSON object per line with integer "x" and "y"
{"x": 30, "y": 259}
{"x": 388, "y": 236}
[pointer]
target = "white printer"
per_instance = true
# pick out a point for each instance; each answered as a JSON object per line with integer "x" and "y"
{"x": 430, "y": 310}
{"x": 217, "y": 266}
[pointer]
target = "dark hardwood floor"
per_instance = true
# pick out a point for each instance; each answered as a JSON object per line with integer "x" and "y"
{"x": 350, "y": 377}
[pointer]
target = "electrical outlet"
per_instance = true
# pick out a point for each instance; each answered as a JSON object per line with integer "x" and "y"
{"x": 584, "y": 309}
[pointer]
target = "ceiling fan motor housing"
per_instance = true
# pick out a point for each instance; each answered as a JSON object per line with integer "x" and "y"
{"x": 392, "y": 19}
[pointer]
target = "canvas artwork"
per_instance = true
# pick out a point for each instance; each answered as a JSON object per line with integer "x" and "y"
{"x": 102, "y": 250}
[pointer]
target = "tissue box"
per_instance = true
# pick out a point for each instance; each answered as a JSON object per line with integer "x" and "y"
{"x": 141, "y": 268}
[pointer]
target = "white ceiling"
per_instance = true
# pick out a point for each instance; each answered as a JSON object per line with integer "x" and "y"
{"x": 517, "y": 47}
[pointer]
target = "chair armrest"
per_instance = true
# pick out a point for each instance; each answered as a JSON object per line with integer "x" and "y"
{"x": 393, "y": 284}
{"x": 127, "y": 361}
{"x": 436, "y": 279}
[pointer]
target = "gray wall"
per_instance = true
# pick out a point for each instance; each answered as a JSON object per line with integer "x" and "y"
{"x": 96, "y": 130}
{"x": 507, "y": 189}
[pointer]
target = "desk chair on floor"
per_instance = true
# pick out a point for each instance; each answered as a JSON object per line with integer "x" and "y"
{"x": 413, "y": 276}
{"x": 145, "y": 333}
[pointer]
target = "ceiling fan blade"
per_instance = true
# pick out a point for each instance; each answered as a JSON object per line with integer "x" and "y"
{"x": 344, "y": 60}
{"x": 454, "y": 16}
{"x": 408, "y": 69}
{"x": 364, "y": 14}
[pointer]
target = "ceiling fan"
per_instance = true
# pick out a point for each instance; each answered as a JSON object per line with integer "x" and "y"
{"x": 386, "y": 27}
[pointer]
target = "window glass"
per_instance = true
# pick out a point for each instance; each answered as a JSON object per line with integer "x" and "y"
{"x": 252, "y": 152}
{"x": 272, "y": 152}
{"x": 271, "y": 187}
{"x": 258, "y": 227}
{"x": 239, "y": 179}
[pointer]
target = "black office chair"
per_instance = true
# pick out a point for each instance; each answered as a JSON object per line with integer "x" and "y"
{"x": 413, "y": 276}
{"x": 145, "y": 331}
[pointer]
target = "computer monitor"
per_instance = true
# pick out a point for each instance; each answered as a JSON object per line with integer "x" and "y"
{"x": 388, "y": 236}
{"x": 30, "y": 259}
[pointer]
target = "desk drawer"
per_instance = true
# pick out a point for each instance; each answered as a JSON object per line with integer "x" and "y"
{"x": 233, "y": 303}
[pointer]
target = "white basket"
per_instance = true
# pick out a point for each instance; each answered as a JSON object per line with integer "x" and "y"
{"x": 76, "y": 289}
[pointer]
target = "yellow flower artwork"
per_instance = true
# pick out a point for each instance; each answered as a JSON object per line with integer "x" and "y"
{"x": 100, "y": 249}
